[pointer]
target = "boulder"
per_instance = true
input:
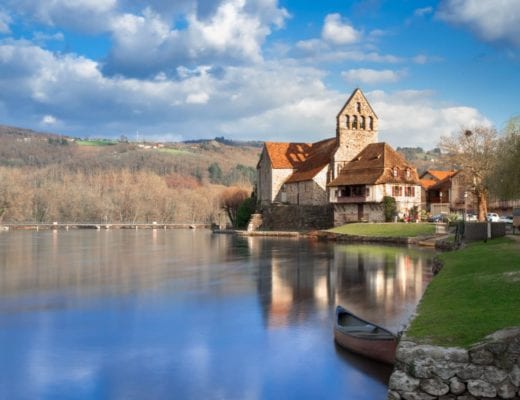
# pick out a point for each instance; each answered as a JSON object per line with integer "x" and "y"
{"x": 402, "y": 382}
{"x": 480, "y": 388}
{"x": 456, "y": 386}
{"x": 435, "y": 387}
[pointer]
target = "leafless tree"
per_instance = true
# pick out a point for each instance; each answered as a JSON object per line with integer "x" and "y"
{"x": 474, "y": 151}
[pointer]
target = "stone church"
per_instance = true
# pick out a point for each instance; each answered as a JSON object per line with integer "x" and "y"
{"x": 351, "y": 171}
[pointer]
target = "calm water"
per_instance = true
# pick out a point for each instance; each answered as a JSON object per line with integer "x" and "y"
{"x": 154, "y": 314}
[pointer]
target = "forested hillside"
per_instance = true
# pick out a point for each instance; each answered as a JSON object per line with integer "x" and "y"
{"x": 47, "y": 177}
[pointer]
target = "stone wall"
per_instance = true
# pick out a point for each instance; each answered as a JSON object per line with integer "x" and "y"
{"x": 345, "y": 213}
{"x": 490, "y": 369}
{"x": 288, "y": 217}
{"x": 311, "y": 192}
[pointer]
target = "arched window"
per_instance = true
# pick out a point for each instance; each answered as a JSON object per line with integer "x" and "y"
{"x": 354, "y": 122}
{"x": 347, "y": 121}
{"x": 358, "y": 107}
{"x": 362, "y": 125}
{"x": 371, "y": 122}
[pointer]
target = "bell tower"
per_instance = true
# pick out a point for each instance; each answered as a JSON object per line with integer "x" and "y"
{"x": 356, "y": 127}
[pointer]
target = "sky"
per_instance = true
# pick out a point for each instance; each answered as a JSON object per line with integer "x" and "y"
{"x": 277, "y": 70}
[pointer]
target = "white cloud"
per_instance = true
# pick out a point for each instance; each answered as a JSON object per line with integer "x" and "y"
{"x": 339, "y": 32}
{"x": 197, "y": 98}
{"x": 371, "y": 76}
{"x": 90, "y": 15}
{"x": 5, "y": 21}
{"x": 497, "y": 20}
{"x": 275, "y": 100}
{"x": 417, "y": 118}
{"x": 49, "y": 120}
{"x": 420, "y": 12}
{"x": 234, "y": 32}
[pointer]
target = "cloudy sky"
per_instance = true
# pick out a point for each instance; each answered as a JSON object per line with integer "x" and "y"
{"x": 257, "y": 69}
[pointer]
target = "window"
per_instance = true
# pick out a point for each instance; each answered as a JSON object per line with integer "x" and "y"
{"x": 362, "y": 125}
{"x": 397, "y": 191}
{"x": 409, "y": 191}
{"x": 371, "y": 123}
{"x": 354, "y": 122}
{"x": 394, "y": 172}
{"x": 358, "y": 107}
{"x": 347, "y": 121}
{"x": 367, "y": 192}
{"x": 407, "y": 173}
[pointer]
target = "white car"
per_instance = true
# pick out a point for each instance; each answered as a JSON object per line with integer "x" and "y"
{"x": 493, "y": 217}
{"x": 508, "y": 219}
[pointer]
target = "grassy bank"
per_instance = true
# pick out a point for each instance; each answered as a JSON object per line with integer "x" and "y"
{"x": 385, "y": 230}
{"x": 475, "y": 294}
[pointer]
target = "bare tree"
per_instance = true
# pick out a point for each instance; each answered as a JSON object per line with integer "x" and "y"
{"x": 230, "y": 200}
{"x": 474, "y": 151}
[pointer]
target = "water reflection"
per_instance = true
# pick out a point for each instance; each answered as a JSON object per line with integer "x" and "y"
{"x": 148, "y": 313}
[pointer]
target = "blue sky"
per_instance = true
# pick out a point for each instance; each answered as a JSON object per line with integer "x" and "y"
{"x": 257, "y": 69}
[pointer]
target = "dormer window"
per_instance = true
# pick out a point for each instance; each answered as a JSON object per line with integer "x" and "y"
{"x": 407, "y": 173}
{"x": 394, "y": 172}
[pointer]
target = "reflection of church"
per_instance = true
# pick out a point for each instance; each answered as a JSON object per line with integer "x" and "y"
{"x": 377, "y": 282}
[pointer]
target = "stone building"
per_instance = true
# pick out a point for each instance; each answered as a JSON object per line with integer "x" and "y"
{"x": 300, "y": 174}
{"x": 377, "y": 171}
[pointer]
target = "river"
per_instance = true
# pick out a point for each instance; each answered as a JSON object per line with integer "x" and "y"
{"x": 185, "y": 314}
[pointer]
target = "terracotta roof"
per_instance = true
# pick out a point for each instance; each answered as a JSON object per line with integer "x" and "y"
{"x": 375, "y": 165}
{"x": 438, "y": 174}
{"x": 287, "y": 155}
{"x": 444, "y": 183}
{"x": 318, "y": 157}
{"x": 426, "y": 183}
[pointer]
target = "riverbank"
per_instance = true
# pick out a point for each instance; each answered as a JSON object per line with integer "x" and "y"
{"x": 465, "y": 338}
{"x": 73, "y": 225}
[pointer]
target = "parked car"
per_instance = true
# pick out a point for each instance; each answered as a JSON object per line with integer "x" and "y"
{"x": 508, "y": 219}
{"x": 438, "y": 218}
{"x": 492, "y": 217}
{"x": 471, "y": 217}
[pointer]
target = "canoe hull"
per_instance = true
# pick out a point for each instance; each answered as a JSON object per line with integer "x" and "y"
{"x": 375, "y": 347}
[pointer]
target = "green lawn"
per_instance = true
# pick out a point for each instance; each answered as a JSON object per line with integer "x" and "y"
{"x": 475, "y": 294}
{"x": 96, "y": 142}
{"x": 399, "y": 229}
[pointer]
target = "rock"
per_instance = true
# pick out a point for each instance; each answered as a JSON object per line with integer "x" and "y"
{"x": 447, "y": 371}
{"x": 435, "y": 387}
{"x": 504, "y": 335}
{"x": 402, "y": 382}
{"x": 480, "y": 388}
{"x": 456, "y": 386}
{"x": 393, "y": 395}
{"x": 447, "y": 397}
{"x": 514, "y": 375}
{"x": 416, "y": 396}
{"x": 470, "y": 372}
{"x": 421, "y": 368}
{"x": 494, "y": 375}
{"x": 407, "y": 353}
{"x": 466, "y": 397}
{"x": 481, "y": 356}
{"x": 506, "y": 390}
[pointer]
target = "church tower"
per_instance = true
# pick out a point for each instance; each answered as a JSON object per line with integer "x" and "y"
{"x": 356, "y": 127}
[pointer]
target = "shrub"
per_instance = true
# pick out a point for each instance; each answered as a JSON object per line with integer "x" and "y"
{"x": 244, "y": 212}
{"x": 390, "y": 208}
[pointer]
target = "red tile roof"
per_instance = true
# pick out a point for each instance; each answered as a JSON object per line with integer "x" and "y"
{"x": 375, "y": 165}
{"x": 438, "y": 174}
{"x": 306, "y": 159}
{"x": 426, "y": 183}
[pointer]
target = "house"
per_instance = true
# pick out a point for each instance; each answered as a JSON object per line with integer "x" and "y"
{"x": 298, "y": 173}
{"x": 447, "y": 191}
{"x": 376, "y": 172}
{"x": 302, "y": 174}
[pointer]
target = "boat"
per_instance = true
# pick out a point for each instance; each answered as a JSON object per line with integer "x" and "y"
{"x": 363, "y": 337}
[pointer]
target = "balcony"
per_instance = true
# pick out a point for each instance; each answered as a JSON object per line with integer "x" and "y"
{"x": 351, "y": 199}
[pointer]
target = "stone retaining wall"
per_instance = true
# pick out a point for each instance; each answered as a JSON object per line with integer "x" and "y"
{"x": 284, "y": 217}
{"x": 490, "y": 369}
